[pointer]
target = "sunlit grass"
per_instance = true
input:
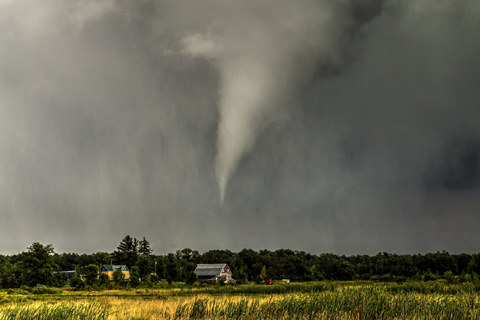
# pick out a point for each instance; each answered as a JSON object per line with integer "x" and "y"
{"x": 56, "y": 310}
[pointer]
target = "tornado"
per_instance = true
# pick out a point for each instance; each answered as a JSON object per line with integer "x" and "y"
{"x": 265, "y": 51}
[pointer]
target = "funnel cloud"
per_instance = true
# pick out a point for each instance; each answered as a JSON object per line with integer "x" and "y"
{"x": 345, "y": 126}
{"x": 263, "y": 56}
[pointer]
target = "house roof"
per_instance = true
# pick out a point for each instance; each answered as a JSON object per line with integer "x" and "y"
{"x": 114, "y": 267}
{"x": 210, "y": 269}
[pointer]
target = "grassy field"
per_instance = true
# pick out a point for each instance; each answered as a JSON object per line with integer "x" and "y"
{"x": 319, "y": 300}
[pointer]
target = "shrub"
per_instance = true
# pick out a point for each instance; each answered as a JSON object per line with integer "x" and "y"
{"x": 104, "y": 281}
{"x": 76, "y": 282}
{"x": 448, "y": 275}
{"x": 41, "y": 289}
{"x": 18, "y": 291}
{"x": 154, "y": 278}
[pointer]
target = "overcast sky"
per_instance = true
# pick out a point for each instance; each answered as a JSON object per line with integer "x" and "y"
{"x": 344, "y": 126}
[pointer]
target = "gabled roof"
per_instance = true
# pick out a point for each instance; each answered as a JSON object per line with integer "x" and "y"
{"x": 210, "y": 269}
{"x": 114, "y": 267}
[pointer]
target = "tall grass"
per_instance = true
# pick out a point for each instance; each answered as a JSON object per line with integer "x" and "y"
{"x": 261, "y": 289}
{"x": 93, "y": 311}
{"x": 350, "y": 303}
{"x": 434, "y": 287}
{"x": 435, "y": 300}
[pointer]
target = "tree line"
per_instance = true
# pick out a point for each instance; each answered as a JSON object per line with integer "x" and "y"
{"x": 39, "y": 264}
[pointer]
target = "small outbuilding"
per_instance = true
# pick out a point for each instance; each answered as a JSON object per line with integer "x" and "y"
{"x": 67, "y": 275}
{"x": 109, "y": 269}
{"x": 213, "y": 272}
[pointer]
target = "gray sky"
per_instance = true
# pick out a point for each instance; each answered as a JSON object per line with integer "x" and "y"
{"x": 347, "y": 126}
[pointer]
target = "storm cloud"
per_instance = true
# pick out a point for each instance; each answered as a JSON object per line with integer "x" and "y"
{"x": 339, "y": 126}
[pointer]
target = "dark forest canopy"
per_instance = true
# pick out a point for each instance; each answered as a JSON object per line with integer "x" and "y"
{"x": 39, "y": 265}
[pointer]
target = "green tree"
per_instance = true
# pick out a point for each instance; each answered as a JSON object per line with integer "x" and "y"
{"x": 7, "y": 275}
{"x": 191, "y": 277}
{"x": 317, "y": 275}
{"x": 160, "y": 267}
{"x": 38, "y": 265}
{"x": 126, "y": 252}
{"x": 67, "y": 261}
{"x": 170, "y": 268}
{"x": 473, "y": 264}
{"x": 144, "y": 247}
{"x": 144, "y": 265}
{"x": 76, "y": 282}
{"x": 263, "y": 273}
{"x": 101, "y": 258}
{"x": 344, "y": 270}
{"x": 89, "y": 273}
{"x": 271, "y": 273}
{"x": 118, "y": 277}
{"x": 134, "y": 276}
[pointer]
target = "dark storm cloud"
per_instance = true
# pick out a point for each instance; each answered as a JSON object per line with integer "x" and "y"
{"x": 109, "y": 113}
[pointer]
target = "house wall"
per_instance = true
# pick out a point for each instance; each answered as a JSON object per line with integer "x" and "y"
{"x": 110, "y": 274}
{"x": 226, "y": 275}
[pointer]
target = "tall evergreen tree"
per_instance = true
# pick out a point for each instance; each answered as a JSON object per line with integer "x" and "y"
{"x": 126, "y": 252}
{"x": 144, "y": 247}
